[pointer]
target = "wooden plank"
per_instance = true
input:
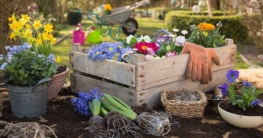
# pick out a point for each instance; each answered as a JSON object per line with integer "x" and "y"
{"x": 152, "y": 96}
{"x": 116, "y": 71}
{"x": 167, "y": 68}
{"x": 81, "y": 83}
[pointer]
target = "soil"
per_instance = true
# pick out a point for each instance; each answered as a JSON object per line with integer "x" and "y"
{"x": 61, "y": 69}
{"x": 68, "y": 124}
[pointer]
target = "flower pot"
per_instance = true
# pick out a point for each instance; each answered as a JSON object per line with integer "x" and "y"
{"x": 58, "y": 81}
{"x": 241, "y": 121}
{"x": 27, "y": 101}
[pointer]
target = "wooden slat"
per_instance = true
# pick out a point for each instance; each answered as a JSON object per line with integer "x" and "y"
{"x": 80, "y": 83}
{"x": 116, "y": 71}
{"x": 152, "y": 97}
{"x": 161, "y": 69}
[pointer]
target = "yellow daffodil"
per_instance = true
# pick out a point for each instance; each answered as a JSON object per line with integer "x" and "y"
{"x": 108, "y": 7}
{"x": 37, "y": 24}
{"x": 53, "y": 40}
{"x": 12, "y": 18}
{"x": 28, "y": 33}
{"x": 48, "y": 28}
{"x": 58, "y": 60}
{"x": 26, "y": 17}
{"x": 42, "y": 39}
{"x": 12, "y": 36}
{"x": 28, "y": 26}
{"x": 38, "y": 41}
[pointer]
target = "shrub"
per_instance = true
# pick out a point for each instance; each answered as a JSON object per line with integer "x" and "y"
{"x": 159, "y": 13}
{"x": 232, "y": 28}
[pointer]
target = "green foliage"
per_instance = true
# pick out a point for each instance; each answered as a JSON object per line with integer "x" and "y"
{"x": 242, "y": 94}
{"x": 232, "y": 28}
{"x": 206, "y": 37}
{"x": 26, "y": 68}
{"x": 159, "y": 13}
{"x": 74, "y": 16}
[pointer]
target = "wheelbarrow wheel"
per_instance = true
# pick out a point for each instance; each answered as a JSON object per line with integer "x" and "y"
{"x": 131, "y": 22}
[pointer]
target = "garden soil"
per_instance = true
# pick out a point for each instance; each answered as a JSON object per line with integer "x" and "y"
{"x": 68, "y": 124}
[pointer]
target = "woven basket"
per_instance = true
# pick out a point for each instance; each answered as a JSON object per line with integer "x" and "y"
{"x": 174, "y": 104}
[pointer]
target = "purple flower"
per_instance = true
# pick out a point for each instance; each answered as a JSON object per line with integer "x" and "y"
{"x": 170, "y": 54}
{"x": 224, "y": 89}
{"x": 255, "y": 102}
{"x": 81, "y": 103}
{"x": 50, "y": 59}
{"x": 232, "y": 75}
{"x": 246, "y": 84}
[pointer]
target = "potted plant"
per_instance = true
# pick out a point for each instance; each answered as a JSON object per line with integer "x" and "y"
{"x": 243, "y": 108}
{"x": 40, "y": 37}
{"x": 27, "y": 76}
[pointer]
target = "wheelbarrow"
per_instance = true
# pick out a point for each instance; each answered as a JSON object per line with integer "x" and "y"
{"x": 120, "y": 16}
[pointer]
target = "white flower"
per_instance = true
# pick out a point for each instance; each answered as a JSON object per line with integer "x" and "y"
{"x": 184, "y": 32}
{"x": 148, "y": 57}
{"x": 180, "y": 40}
{"x": 146, "y": 38}
{"x": 128, "y": 39}
{"x": 175, "y": 30}
{"x": 168, "y": 48}
{"x": 172, "y": 35}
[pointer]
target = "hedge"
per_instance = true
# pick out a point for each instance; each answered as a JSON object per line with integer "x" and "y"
{"x": 160, "y": 12}
{"x": 232, "y": 27}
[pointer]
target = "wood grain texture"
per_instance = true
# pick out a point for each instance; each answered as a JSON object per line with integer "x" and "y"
{"x": 162, "y": 69}
{"x": 116, "y": 71}
{"x": 80, "y": 83}
{"x": 152, "y": 95}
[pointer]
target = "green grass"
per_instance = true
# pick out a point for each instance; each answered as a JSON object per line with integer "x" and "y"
{"x": 148, "y": 26}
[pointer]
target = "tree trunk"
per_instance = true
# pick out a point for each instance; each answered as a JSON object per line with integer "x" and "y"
{"x": 209, "y": 8}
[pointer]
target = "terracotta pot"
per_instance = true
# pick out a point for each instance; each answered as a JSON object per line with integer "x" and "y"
{"x": 241, "y": 121}
{"x": 58, "y": 81}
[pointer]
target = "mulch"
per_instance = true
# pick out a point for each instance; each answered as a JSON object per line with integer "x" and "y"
{"x": 68, "y": 124}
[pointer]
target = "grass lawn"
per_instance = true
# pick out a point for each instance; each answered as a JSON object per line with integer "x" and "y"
{"x": 148, "y": 26}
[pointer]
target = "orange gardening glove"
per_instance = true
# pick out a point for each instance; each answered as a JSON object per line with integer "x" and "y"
{"x": 211, "y": 56}
{"x": 197, "y": 67}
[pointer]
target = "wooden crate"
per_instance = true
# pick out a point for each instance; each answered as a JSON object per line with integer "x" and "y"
{"x": 141, "y": 81}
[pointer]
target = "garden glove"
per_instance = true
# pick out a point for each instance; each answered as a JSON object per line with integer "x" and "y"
{"x": 211, "y": 57}
{"x": 197, "y": 67}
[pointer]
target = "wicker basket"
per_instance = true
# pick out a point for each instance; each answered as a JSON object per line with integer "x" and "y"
{"x": 174, "y": 104}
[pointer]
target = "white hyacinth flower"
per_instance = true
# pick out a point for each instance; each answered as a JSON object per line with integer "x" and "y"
{"x": 180, "y": 40}
{"x": 184, "y": 32}
{"x": 175, "y": 30}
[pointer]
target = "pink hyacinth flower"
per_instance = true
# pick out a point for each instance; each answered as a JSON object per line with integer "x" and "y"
{"x": 170, "y": 54}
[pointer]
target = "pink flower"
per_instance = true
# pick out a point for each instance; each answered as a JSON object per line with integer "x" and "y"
{"x": 170, "y": 54}
{"x": 143, "y": 46}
